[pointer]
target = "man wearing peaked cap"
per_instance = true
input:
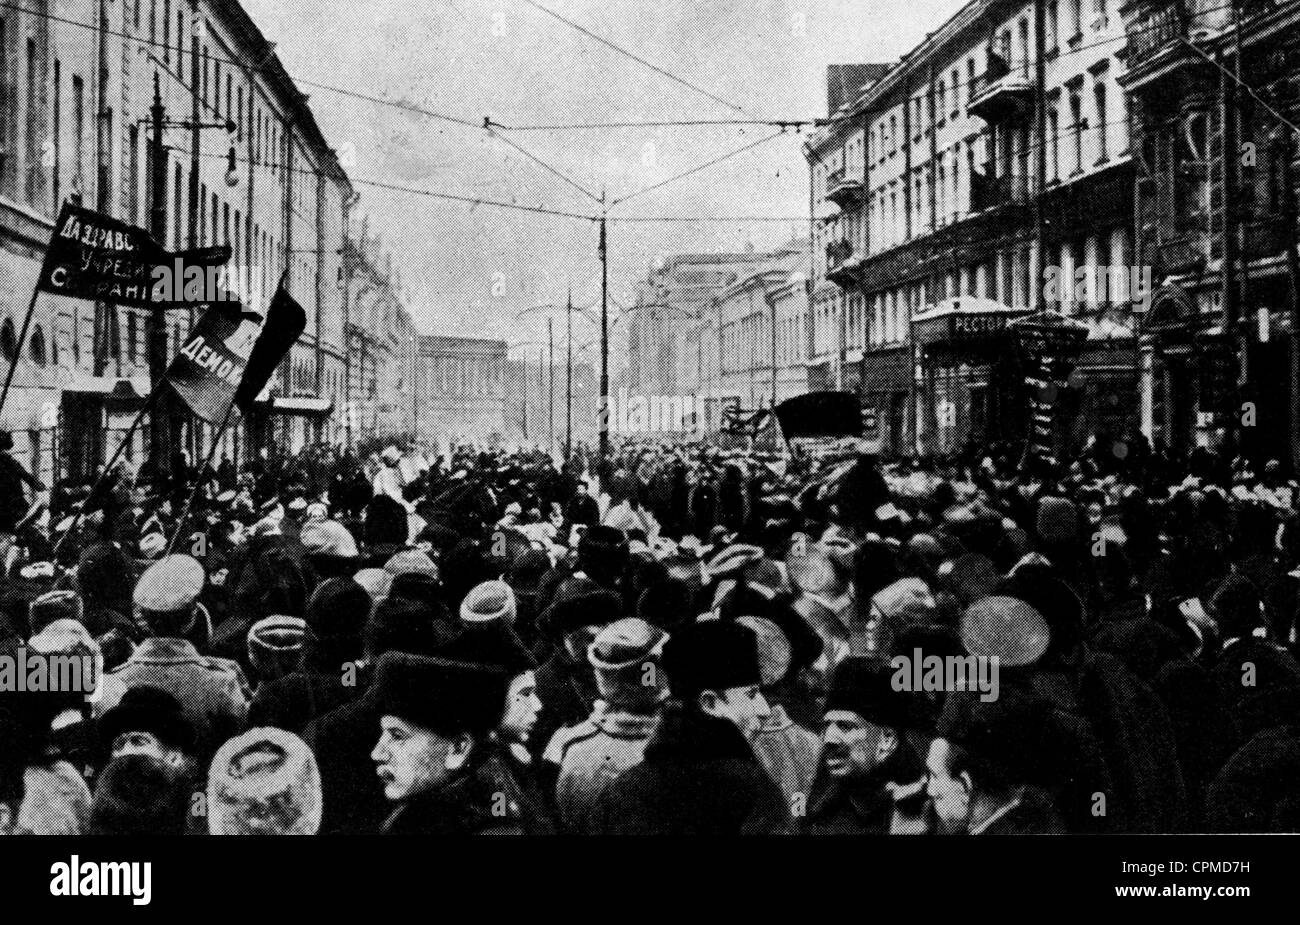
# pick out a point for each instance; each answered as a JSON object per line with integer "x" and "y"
{"x": 564, "y": 681}
{"x": 626, "y": 657}
{"x": 1005, "y": 628}
{"x": 700, "y": 774}
{"x": 435, "y": 715}
{"x": 872, "y": 777}
{"x": 212, "y": 690}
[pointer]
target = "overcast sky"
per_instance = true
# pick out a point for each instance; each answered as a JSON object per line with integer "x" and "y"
{"x": 511, "y": 61}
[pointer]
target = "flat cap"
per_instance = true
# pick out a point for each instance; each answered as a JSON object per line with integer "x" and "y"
{"x": 170, "y": 584}
{"x": 1005, "y": 628}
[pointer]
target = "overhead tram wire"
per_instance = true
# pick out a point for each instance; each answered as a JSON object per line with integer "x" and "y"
{"x": 480, "y": 124}
{"x": 637, "y": 58}
{"x": 698, "y": 168}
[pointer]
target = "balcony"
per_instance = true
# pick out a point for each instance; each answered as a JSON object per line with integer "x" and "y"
{"x": 1156, "y": 30}
{"x": 843, "y": 190}
{"x": 990, "y": 192}
{"x": 842, "y": 264}
{"x": 1002, "y": 92}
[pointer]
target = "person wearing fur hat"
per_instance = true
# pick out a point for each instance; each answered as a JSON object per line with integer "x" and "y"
{"x": 984, "y": 766}
{"x": 336, "y": 613}
{"x": 700, "y": 774}
{"x": 212, "y": 690}
{"x": 590, "y": 755}
{"x": 276, "y": 647}
{"x": 264, "y": 782}
{"x": 149, "y": 721}
{"x": 871, "y": 778}
{"x": 435, "y": 715}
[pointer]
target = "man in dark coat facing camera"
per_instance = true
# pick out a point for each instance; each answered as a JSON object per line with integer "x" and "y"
{"x": 700, "y": 775}
{"x": 435, "y": 715}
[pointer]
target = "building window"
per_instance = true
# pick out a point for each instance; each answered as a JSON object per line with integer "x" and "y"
{"x": 942, "y": 93}
{"x": 1099, "y": 94}
{"x": 177, "y": 210}
{"x": 1053, "y": 144}
{"x": 1076, "y": 113}
{"x": 167, "y": 31}
{"x": 1052, "y": 24}
{"x": 8, "y": 340}
{"x": 1076, "y": 19}
{"x": 78, "y": 133}
{"x": 33, "y": 146}
{"x": 133, "y": 175}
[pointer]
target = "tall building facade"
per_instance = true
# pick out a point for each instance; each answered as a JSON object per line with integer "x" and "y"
{"x": 79, "y": 82}
{"x": 1216, "y": 220}
{"x": 960, "y": 190}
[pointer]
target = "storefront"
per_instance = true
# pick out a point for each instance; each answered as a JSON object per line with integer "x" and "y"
{"x": 886, "y": 383}
{"x": 95, "y": 415}
{"x": 972, "y": 387}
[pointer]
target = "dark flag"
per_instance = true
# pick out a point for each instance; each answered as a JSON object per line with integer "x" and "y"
{"x": 821, "y": 414}
{"x": 285, "y": 322}
{"x": 210, "y": 366}
{"x": 95, "y": 257}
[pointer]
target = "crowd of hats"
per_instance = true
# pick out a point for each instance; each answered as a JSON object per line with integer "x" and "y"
{"x": 725, "y": 569}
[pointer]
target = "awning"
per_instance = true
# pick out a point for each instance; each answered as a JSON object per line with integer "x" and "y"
{"x": 125, "y": 388}
{"x": 961, "y": 319}
{"x": 303, "y": 407}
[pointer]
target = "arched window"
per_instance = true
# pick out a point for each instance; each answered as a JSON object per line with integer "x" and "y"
{"x": 8, "y": 340}
{"x": 37, "y": 348}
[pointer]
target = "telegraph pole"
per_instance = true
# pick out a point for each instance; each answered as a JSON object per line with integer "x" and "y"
{"x": 550, "y": 383}
{"x": 568, "y": 380}
{"x": 604, "y": 350}
{"x": 160, "y": 429}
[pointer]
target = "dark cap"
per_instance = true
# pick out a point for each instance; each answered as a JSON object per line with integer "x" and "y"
{"x": 711, "y": 655}
{"x": 448, "y": 697}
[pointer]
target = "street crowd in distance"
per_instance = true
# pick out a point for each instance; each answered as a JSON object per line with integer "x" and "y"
{"x": 706, "y": 641}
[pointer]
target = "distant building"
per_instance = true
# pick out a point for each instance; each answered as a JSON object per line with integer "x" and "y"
{"x": 459, "y": 390}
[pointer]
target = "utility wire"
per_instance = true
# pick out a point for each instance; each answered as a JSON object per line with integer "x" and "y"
{"x": 547, "y": 167}
{"x": 697, "y": 169}
{"x": 470, "y": 123}
{"x": 635, "y": 57}
{"x": 1245, "y": 86}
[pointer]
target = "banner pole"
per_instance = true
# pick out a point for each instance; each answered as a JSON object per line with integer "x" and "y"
{"x": 99, "y": 482}
{"x": 199, "y": 478}
{"x": 18, "y": 350}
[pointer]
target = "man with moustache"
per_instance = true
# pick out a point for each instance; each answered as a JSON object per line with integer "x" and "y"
{"x": 435, "y": 716}
{"x": 872, "y": 778}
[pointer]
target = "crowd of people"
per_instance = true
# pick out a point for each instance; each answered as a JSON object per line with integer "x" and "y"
{"x": 702, "y": 641}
